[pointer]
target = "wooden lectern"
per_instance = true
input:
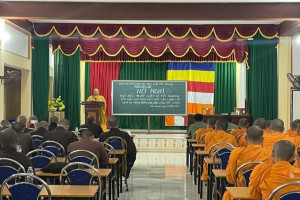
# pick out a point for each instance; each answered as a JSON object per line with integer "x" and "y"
{"x": 92, "y": 108}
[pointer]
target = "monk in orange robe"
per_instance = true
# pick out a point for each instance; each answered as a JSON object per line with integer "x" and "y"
{"x": 241, "y": 132}
{"x": 242, "y": 155}
{"x": 262, "y": 123}
{"x": 211, "y": 122}
{"x": 217, "y": 136}
{"x": 267, "y": 176}
{"x": 293, "y": 132}
{"x": 277, "y": 128}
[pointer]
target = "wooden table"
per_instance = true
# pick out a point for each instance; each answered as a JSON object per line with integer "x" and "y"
{"x": 239, "y": 193}
{"x": 200, "y": 154}
{"x": 193, "y": 146}
{"x": 210, "y": 162}
{"x": 66, "y": 191}
{"x": 188, "y": 151}
{"x": 220, "y": 175}
{"x": 119, "y": 153}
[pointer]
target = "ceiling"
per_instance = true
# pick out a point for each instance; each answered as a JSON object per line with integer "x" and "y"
{"x": 151, "y": 12}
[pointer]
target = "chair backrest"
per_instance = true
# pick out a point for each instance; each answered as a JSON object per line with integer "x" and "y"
{"x": 208, "y": 111}
{"x": 110, "y": 150}
{"x": 223, "y": 154}
{"x": 219, "y": 145}
{"x": 8, "y": 167}
{"x": 249, "y": 166}
{"x": 40, "y": 157}
{"x": 83, "y": 156}
{"x": 202, "y": 139}
{"x": 79, "y": 173}
{"x": 56, "y": 148}
{"x": 117, "y": 142}
{"x": 286, "y": 196}
{"x": 24, "y": 190}
{"x": 239, "y": 137}
{"x": 37, "y": 140}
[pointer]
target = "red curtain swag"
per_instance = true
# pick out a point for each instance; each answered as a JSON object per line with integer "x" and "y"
{"x": 221, "y": 32}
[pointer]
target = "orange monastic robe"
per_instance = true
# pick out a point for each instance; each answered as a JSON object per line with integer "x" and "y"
{"x": 243, "y": 155}
{"x": 267, "y": 176}
{"x": 291, "y": 133}
{"x": 266, "y": 132}
{"x": 202, "y": 131}
{"x": 212, "y": 138}
{"x": 270, "y": 140}
{"x": 237, "y": 132}
{"x": 242, "y": 142}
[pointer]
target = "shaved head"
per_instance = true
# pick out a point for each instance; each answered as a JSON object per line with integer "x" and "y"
{"x": 113, "y": 122}
{"x": 277, "y": 125}
{"x": 254, "y": 134}
{"x": 295, "y": 124}
{"x": 222, "y": 124}
{"x": 284, "y": 150}
{"x": 211, "y": 122}
{"x": 243, "y": 123}
{"x": 260, "y": 122}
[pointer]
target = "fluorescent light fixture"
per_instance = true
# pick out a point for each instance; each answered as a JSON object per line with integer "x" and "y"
{"x": 4, "y": 36}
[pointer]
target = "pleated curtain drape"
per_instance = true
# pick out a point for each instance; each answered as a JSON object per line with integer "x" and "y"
{"x": 40, "y": 77}
{"x": 102, "y": 74}
{"x": 262, "y": 80}
{"x": 67, "y": 85}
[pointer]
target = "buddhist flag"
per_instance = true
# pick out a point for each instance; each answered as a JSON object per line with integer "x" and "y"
{"x": 201, "y": 82}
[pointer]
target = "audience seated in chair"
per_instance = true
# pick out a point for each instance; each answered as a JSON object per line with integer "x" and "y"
{"x": 42, "y": 128}
{"x": 231, "y": 125}
{"x": 114, "y": 131}
{"x": 23, "y": 120}
{"x": 267, "y": 176}
{"x": 4, "y": 124}
{"x": 87, "y": 142}
{"x": 262, "y": 123}
{"x": 211, "y": 122}
{"x": 94, "y": 128}
{"x": 61, "y": 134}
{"x": 25, "y": 139}
{"x": 53, "y": 123}
{"x": 9, "y": 141}
{"x": 240, "y": 133}
{"x": 293, "y": 132}
{"x": 242, "y": 155}
{"x": 195, "y": 126}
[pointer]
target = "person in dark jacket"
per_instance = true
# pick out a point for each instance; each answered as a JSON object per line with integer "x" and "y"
{"x": 9, "y": 141}
{"x": 25, "y": 139}
{"x": 94, "y": 128}
{"x": 53, "y": 123}
{"x": 114, "y": 131}
{"x": 41, "y": 130}
{"x": 5, "y": 124}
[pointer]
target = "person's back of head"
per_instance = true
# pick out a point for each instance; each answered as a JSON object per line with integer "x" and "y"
{"x": 18, "y": 127}
{"x": 90, "y": 120}
{"x": 277, "y": 125}
{"x": 198, "y": 117}
{"x": 8, "y": 137}
{"x": 22, "y": 119}
{"x": 43, "y": 124}
{"x": 53, "y": 119}
{"x": 222, "y": 124}
{"x": 260, "y": 122}
{"x": 283, "y": 150}
{"x": 5, "y": 123}
{"x": 64, "y": 123}
{"x": 87, "y": 134}
{"x": 211, "y": 122}
{"x": 295, "y": 124}
{"x": 228, "y": 118}
{"x": 243, "y": 123}
{"x": 113, "y": 122}
{"x": 254, "y": 135}
{"x": 268, "y": 124}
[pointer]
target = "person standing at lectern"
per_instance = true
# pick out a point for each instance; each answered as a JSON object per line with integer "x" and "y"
{"x": 97, "y": 97}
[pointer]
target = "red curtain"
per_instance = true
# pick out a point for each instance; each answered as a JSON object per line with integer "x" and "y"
{"x": 222, "y": 32}
{"x": 101, "y": 76}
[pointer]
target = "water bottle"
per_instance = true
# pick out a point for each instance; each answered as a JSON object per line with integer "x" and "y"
{"x": 28, "y": 178}
{"x": 19, "y": 148}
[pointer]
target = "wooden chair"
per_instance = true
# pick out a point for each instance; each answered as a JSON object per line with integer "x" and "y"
{"x": 239, "y": 111}
{"x": 208, "y": 111}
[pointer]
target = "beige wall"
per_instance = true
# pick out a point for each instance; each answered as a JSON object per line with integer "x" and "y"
{"x": 284, "y": 86}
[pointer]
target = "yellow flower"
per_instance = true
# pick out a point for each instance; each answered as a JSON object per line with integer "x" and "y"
{"x": 58, "y": 99}
{"x": 60, "y": 108}
{"x": 51, "y": 107}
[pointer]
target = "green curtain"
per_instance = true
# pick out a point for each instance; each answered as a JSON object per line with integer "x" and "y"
{"x": 225, "y": 87}
{"x": 67, "y": 84}
{"x": 143, "y": 71}
{"x": 40, "y": 77}
{"x": 87, "y": 80}
{"x": 262, "y": 85}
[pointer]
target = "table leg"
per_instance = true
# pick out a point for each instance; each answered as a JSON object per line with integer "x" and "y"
{"x": 195, "y": 168}
{"x": 187, "y": 152}
{"x": 201, "y": 158}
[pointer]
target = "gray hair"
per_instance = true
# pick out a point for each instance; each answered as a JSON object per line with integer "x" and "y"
{"x": 113, "y": 122}
{"x": 284, "y": 150}
{"x": 277, "y": 125}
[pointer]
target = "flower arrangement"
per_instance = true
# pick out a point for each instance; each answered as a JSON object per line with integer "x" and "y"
{"x": 56, "y": 103}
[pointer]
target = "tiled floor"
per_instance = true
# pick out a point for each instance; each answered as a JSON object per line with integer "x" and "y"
{"x": 166, "y": 177}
